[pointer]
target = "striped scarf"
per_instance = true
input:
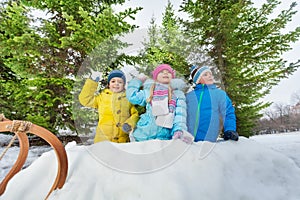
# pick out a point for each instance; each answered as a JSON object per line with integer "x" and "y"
{"x": 161, "y": 91}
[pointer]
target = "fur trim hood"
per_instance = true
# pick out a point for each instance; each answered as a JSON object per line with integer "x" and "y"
{"x": 176, "y": 84}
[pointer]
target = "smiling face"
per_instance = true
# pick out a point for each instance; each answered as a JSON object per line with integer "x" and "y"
{"x": 116, "y": 84}
{"x": 206, "y": 78}
{"x": 164, "y": 77}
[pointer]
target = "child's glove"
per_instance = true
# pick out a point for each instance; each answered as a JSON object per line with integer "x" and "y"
{"x": 177, "y": 135}
{"x": 183, "y": 136}
{"x": 126, "y": 128}
{"x": 187, "y": 139}
{"x": 231, "y": 135}
{"x": 142, "y": 77}
{"x": 135, "y": 74}
{"x": 95, "y": 76}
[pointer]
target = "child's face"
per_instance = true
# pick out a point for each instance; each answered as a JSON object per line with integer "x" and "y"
{"x": 116, "y": 84}
{"x": 164, "y": 77}
{"x": 206, "y": 78}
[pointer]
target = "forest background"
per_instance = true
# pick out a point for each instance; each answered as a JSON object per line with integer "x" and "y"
{"x": 44, "y": 61}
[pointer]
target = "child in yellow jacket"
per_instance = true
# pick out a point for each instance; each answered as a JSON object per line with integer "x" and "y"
{"x": 117, "y": 116}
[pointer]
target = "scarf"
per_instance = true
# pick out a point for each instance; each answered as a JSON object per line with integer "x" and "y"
{"x": 160, "y": 92}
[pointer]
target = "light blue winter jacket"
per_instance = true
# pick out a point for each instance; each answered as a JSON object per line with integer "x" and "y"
{"x": 146, "y": 128}
{"x": 214, "y": 106}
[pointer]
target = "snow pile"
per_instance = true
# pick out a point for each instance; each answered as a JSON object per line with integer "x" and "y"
{"x": 163, "y": 170}
{"x": 286, "y": 143}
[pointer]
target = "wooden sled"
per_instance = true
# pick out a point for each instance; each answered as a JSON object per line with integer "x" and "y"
{"x": 21, "y": 128}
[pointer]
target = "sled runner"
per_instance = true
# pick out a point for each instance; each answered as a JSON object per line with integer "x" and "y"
{"x": 21, "y": 128}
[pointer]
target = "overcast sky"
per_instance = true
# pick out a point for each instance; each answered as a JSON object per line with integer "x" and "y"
{"x": 281, "y": 93}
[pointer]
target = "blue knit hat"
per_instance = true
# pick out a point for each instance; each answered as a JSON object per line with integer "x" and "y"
{"x": 116, "y": 73}
{"x": 197, "y": 72}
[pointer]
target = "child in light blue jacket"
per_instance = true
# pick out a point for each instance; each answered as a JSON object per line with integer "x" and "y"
{"x": 165, "y": 104}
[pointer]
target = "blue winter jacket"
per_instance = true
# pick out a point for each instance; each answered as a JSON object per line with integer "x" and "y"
{"x": 215, "y": 105}
{"x": 146, "y": 128}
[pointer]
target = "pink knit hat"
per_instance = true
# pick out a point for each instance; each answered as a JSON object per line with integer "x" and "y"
{"x": 162, "y": 67}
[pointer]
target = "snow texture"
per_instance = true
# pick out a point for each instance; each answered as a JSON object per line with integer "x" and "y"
{"x": 262, "y": 167}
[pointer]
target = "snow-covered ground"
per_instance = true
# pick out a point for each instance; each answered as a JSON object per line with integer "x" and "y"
{"x": 285, "y": 143}
{"x": 262, "y": 167}
{"x": 12, "y": 153}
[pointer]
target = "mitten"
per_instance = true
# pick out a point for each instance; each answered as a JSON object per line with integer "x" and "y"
{"x": 126, "y": 128}
{"x": 95, "y": 76}
{"x": 183, "y": 136}
{"x": 142, "y": 77}
{"x": 231, "y": 135}
{"x": 177, "y": 135}
{"x": 188, "y": 140}
{"x": 187, "y": 137}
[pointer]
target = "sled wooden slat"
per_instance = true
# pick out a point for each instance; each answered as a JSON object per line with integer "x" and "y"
{"x": 59, "y": 150}
{"x": 24, "y": 147}
{"x": 5, "y": 126}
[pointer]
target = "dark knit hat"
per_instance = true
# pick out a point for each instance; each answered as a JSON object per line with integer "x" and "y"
{"x": 116, "y": 73}
{"x": 197, "y": 72}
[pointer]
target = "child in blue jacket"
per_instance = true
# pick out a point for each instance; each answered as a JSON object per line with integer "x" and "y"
{"x": 206, "y": 105}
{"x": 165, "y": 104}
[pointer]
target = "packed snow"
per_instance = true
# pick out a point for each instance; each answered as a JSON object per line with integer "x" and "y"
{"x": 262, "y": 167}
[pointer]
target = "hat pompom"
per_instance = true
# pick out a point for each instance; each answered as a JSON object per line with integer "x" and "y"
{"x": 193, "y": 67}
{"x": 197, "y": 72}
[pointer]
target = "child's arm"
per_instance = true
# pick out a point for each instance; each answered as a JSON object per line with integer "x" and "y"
{"x": 134, "y": 94}
{"x": 86, "y": 96}
{"x": 134, "y": 117}
{"x": 229, "y": 121}
{"x": 229, "y": 118}
{"x": 180, "y": 113}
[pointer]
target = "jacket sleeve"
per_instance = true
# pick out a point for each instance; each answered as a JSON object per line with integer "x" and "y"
{"x": 229, "y": 119}
{"x": 134, "y": 94}
{"x": 180, "y": 113}
{"x": 134, "y": 117}
{"x": 86, "y": 96}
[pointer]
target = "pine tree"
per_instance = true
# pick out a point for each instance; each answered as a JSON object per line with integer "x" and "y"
{"x": 166, "y": 44}
{"x": 246, "y": 46}
{"x": 47, "y": 53}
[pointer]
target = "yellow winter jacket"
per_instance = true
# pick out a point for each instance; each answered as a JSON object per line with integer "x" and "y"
{"x": 114, "y": 110}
